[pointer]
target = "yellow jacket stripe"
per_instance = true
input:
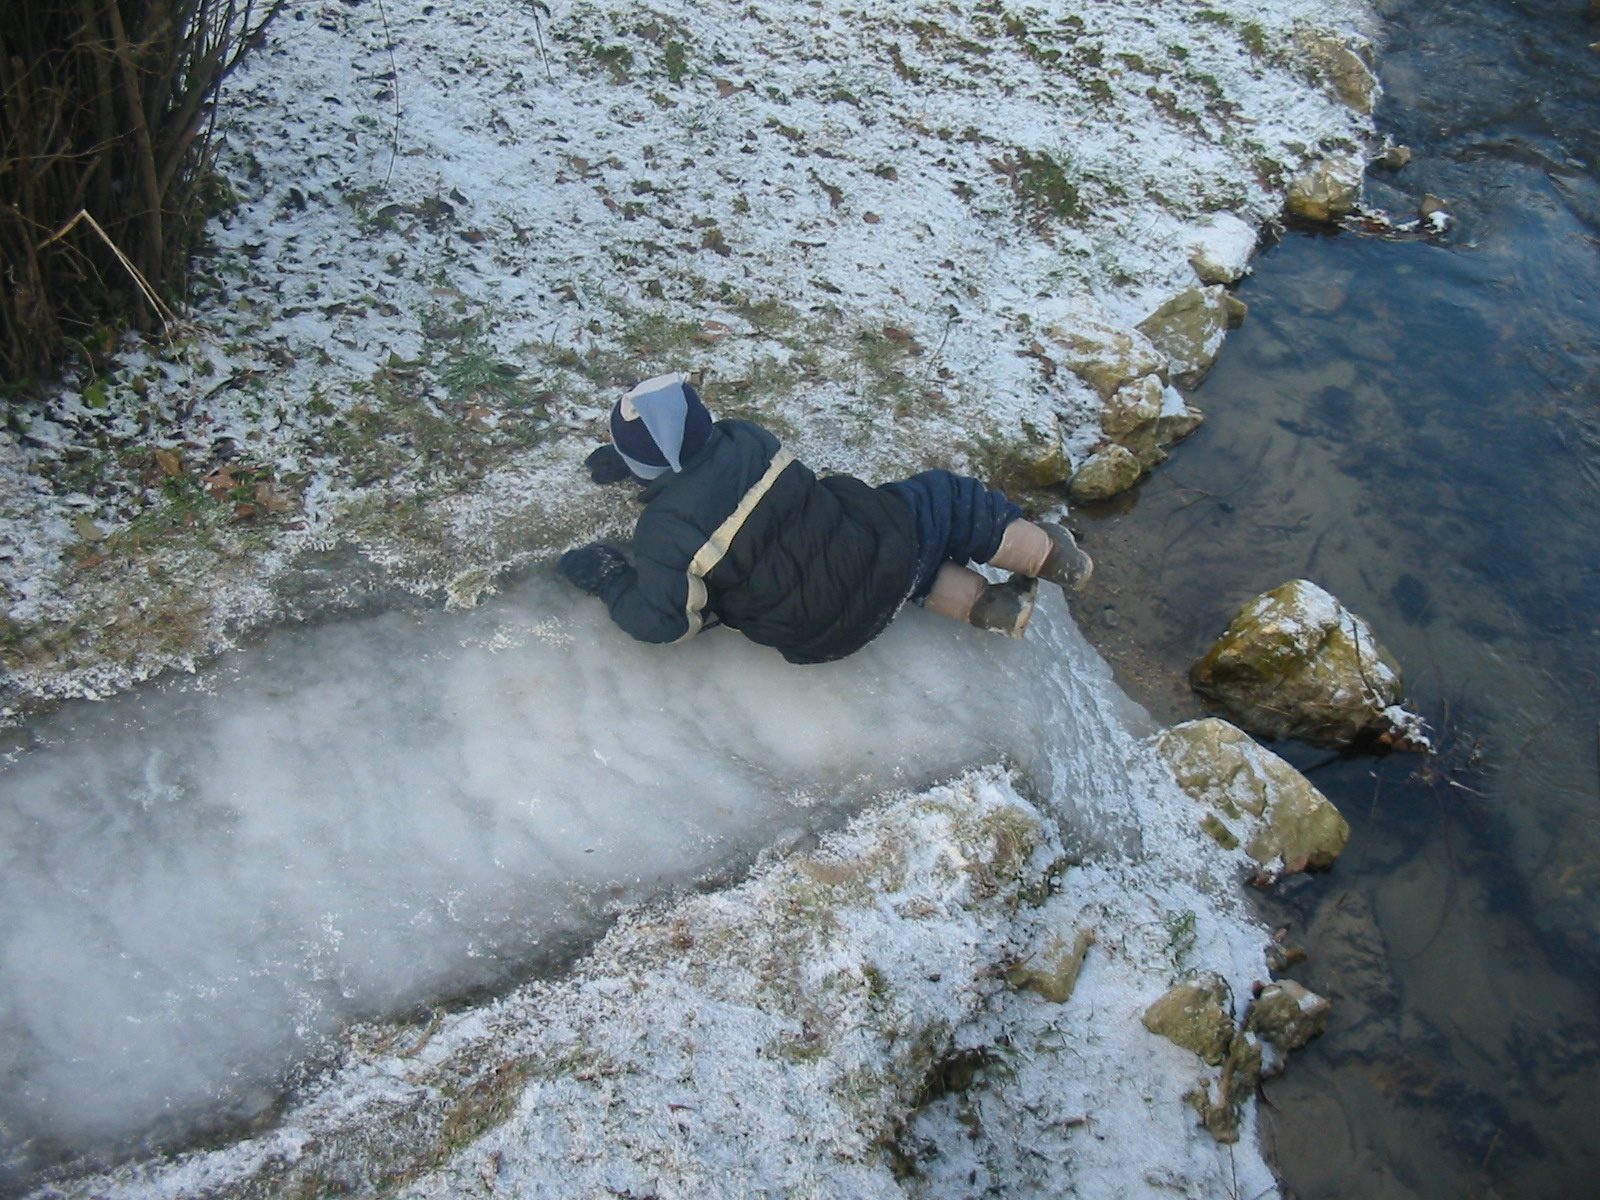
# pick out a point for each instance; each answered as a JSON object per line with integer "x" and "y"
{"x": 716, "y": 546}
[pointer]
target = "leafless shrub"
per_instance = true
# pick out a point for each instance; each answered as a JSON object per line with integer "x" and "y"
{"x": 105, "y": 112}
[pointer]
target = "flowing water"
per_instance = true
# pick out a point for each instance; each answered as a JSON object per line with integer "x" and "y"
{"x": 1416, "y": 426}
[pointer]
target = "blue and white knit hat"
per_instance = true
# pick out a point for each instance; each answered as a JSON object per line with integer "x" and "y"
{"x": 659, "y": 424}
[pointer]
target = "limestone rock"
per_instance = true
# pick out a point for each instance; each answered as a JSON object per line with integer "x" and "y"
{"x": 1288, "y": 1015}
{"x": 1220, "y": 248}
{"x": 1105, "y": 356}
{"x": 1346, "y": 67}
{"x": 1197, "y": 1014}
{"x": 1036, "y": 457}
{"x": 1109, "y": 471}
{"x": 1145, "y": 417}
{"x": 1296, "y": 663}
{"x": 1394, "y": 157}
{"x": 1132, "y": 409}
{"x": 1240, "y": 1075}
{"x": 1189, "y": 329}
{"x": 1328, "y": 190}
{"x": 1253, "y": 796}
{"x": 1053, "y": 972}
{"x": 1173, "y": 426}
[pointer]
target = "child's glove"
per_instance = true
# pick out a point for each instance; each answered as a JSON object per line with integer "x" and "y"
{"x": 606, "y": 465}
{"x": 594, "y": 568}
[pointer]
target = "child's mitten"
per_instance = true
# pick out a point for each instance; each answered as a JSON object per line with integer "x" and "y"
{"x": 607, "y": 466}
{"x": 594, "y": 568}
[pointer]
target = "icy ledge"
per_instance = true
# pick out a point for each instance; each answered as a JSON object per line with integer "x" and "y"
{"x": 840, "y": 1024}
{"x": 812, "y": 1032}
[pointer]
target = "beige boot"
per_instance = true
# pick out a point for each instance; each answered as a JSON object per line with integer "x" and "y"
{"x": 1045, "y": 552}
{"x": 963, "y": 594}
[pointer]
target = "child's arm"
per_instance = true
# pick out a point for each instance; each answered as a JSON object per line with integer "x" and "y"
{"x": 651, "y": 599}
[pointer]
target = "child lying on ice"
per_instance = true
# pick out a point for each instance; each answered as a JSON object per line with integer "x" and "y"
{"x": 737, "y": 531}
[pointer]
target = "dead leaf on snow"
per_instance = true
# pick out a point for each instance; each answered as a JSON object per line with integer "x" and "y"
{"x": 86, "y": 528}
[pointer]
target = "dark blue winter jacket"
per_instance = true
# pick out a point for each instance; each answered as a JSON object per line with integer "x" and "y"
{"x": 747, "y": 535}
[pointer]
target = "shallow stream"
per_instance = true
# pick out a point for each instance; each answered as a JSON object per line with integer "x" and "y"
{"x": 1416, "y": 426}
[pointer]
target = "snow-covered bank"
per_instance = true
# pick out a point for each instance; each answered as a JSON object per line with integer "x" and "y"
{"x": 458, "y": 234}
{"x": 459, "y": 231}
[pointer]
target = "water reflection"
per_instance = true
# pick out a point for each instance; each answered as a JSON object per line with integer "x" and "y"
{"x": 1417, "y": 428}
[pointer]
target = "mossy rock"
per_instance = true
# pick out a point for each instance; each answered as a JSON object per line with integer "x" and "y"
{"x": 1328, "y": 190}
{"x": 1241, "y": 1073}
{"x": 1140, "y": 419}
{"x": 1109, "y": 471}
{"x": 1197, "y": 1014}
{"x": 1345, "y": 67}
{"x": 1104, "y": 356}
{"x": 1053, "y": 972}
{"x": 1132, "y": 409}
{"x": 1221, "y": 248}
{"x": 1295, "y": 663}
{"x": 1254, "y": 796}
{"x": 1189, "y": 329}
{"x": 1288, "y": 1015}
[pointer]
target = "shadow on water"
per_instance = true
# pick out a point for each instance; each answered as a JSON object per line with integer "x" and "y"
{"x": 1416, "y": 426}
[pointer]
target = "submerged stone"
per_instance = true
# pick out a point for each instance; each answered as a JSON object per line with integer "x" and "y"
{"x": 1295, "y": 663}
{"x": 1197, "y": 1014}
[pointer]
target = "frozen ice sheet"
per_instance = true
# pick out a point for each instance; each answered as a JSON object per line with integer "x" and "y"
{"x": 201, "y": 881}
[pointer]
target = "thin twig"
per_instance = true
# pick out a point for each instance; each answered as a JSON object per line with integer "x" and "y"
{"x": 166, "y": 314}
{"x": 538, "y": 32}
{"x": 394, "y": 85}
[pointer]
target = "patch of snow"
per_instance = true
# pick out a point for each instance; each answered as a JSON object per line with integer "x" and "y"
{"x": 760, "y": 193}
{"x": 1220, "y": 246}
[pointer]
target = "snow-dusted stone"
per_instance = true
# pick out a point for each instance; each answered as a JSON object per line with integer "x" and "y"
{"x": 1241, "y": 1072}
{"x": 1296, "y": 663}
{"x": 1189, "y": 329}
{"x": 1109, "y": 471}
{"x": 1053, "y": 971}
{"x": 1106, "y": 356}
{"x": 1196, "y": 1014}
{"x": 1147, "y": 416}
{"x": 1253, "y": 797}
{"x": 1346, "y": 66}
{"x": 1220, "y": 248}
{"x": 1288, "y": 1015}
{"x": 1329, "y": 190}
{"x": 1037, "y": 456}
{"x": 1130, "y": 415}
